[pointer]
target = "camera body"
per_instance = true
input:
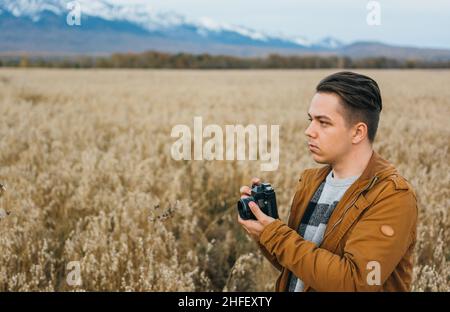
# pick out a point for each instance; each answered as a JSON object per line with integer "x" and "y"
{"x": 264, "y": 196}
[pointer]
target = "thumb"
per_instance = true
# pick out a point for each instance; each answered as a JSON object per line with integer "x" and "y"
{"x": 256, "y": 211}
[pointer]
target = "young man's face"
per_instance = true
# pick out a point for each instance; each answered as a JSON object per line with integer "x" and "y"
{"x": 329, "y": 136}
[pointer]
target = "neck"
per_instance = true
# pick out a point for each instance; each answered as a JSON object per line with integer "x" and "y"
{"x": 353, "y": 163}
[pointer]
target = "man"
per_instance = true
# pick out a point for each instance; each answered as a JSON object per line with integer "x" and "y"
{"x": 352, "y": 224}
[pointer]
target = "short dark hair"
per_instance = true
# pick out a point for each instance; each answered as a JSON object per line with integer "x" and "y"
{"x": 360, "y": 96}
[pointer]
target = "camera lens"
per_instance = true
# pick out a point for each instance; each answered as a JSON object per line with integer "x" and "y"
{"x": 244, "y": 209}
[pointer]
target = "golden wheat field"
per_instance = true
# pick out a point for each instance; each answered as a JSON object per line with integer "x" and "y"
{"x": 85, "y": 158}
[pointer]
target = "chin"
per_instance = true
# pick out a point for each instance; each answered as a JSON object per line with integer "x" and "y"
{"x": 320, "y": 159}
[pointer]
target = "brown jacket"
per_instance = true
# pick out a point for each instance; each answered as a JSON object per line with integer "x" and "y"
{"x": 375, "y": 220}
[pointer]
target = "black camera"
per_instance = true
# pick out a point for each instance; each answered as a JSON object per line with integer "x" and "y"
{"x": 264, "y": 196}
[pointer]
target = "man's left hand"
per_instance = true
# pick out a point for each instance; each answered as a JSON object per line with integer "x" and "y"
{"x": 255, "y": 227}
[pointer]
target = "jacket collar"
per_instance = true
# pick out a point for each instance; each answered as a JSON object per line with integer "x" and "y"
{"x": 377, "y": 169}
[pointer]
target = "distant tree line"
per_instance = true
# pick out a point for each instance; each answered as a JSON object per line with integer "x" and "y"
{"x": 154, "y": 59}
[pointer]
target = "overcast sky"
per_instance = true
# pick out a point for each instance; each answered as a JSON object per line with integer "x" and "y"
{"x": 413, "y": 22}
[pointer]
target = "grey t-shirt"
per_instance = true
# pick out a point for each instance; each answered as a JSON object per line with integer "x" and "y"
{"x": 315, "y": 219}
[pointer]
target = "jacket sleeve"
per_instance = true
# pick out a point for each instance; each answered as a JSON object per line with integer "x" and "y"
{"x": 326, "y": 271}
{"x": 272, "y": 259}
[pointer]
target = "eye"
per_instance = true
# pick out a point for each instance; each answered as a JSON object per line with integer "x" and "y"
{"x": 323, "y": 123}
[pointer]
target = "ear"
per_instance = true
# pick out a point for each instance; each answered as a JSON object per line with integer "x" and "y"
{"x": 359, "y": 132}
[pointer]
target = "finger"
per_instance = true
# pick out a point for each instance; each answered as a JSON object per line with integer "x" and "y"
{"x": 246, "y": 223}
{"x": 245, "y": 196}
{"x": 245, "y": 190}
{"x": 241, "y": 221}
{"x": 256, "y": 181}
{"x": 256, "y": 211}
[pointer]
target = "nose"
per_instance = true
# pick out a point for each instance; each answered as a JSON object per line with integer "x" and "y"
{"x": 309, "y": 132}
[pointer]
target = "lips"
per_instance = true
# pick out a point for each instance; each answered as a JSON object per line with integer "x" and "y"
{"x": 312, "y": 147}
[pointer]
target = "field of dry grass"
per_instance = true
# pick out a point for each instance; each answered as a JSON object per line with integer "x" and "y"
{"x": 85, "y": 157}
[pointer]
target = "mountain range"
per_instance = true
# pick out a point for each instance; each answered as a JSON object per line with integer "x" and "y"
{"x": 42, "y": 28}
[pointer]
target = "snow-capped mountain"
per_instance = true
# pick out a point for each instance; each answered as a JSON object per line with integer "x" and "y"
{"x": 145, "y": 16}
{"x": 46, "y": 17}
{"x": 41, "y": 27}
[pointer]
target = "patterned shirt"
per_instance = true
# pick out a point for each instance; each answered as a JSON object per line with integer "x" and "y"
{"x": 315, "y": 219}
